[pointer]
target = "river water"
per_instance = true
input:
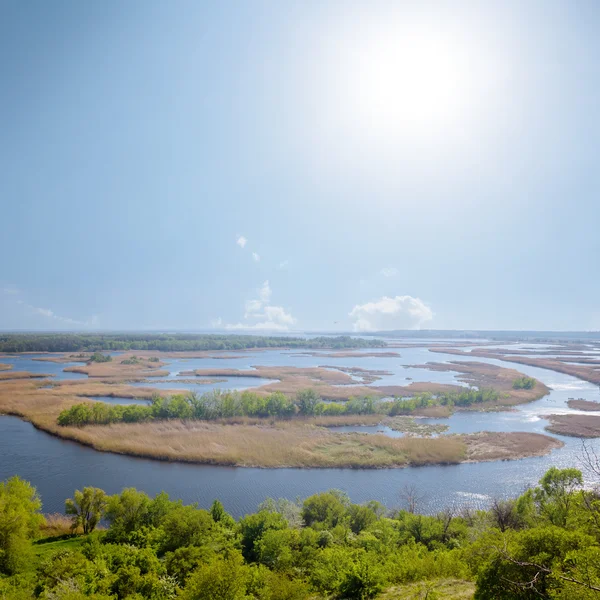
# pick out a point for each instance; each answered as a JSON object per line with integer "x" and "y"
{"x": 57, "y": 467}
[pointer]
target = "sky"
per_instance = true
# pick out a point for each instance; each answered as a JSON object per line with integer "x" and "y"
{"x": 299, "y": 165}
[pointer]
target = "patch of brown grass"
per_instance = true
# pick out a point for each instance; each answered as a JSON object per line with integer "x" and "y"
{"x": 580, "y": 404}
{"x": 449, "y": 589}
{"x": 496, "y": 445}
{"x": 7, "y": 375}
{"x": 583, "y": 426}
{"x": 56, "y": 525}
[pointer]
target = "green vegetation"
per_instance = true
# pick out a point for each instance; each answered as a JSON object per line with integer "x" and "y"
{"x": 169, "y": 342}
{"x": 524, "y": 383}
{"x": 543, "y": 544}
{"x": 134, "y": 360}
{"x": 100, "y": 358}
{"x": 223, "y": 404}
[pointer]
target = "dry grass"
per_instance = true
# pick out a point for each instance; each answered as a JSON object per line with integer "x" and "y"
{"x": 449, "y": 589}
{"x": 4, "y": 367}
{"x": 116, "y": 369}
{"x": 56, "y": 525}
{"x": 7, "y": 375}
{"x": 589, "y": 405}
{"x": 583, "y": 426}
{"x": 279, "y": 445}
{"x": 489, "y": 446}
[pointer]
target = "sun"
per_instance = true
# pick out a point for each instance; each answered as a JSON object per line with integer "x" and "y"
{"x": 406, "y": 83}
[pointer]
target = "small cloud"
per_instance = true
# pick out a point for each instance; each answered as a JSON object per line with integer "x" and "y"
{"x": 241, "y": 241}
{"x": 92, "y": 322}
{"x": 216, "y": 322}
{"x": 400, "y": 312}
{"x": 260, "y": 315}
{"x": 284, "y": 264}
{"x": 389, "y": 271}
{"x": 265, "y": 292}
{"x": 256, "y": 256}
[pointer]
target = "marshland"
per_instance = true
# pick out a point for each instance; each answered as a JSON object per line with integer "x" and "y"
{"x": 417, "y": 407}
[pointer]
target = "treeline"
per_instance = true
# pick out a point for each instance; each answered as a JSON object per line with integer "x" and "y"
{"x": 170, "y": 342}
{"x": 223, "y": 404}
{"x": 543, "y": 544}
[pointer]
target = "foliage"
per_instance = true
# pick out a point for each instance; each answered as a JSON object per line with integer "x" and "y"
{"x": 168, "y": 342}
{"x": 87, "y": 508}
{"x": 524, "y": 383}
{"x": 543, "y": 544}
{"x": 100, "y": 358}
{"x": 20, "y": 521}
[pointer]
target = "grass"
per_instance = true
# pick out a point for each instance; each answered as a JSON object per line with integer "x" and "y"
{"x": 581, "y": 404}
{"x": 449, "y": 589}
{"x": 56, "y": 525}
{"x": 582, "y": 426}
{"x": 45, "y": 548}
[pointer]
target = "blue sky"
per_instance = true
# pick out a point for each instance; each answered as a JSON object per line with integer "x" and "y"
{"x": 299, "y": 165}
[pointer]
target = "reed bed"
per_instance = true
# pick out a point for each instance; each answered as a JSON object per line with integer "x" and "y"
{"x": 56, "y": 525}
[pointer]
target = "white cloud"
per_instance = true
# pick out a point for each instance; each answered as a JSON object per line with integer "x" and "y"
{"x": 400, "y": 312}
{"x": 256, "y": 256}
{"x": 92, "y": 322}
{"x": 284, "y": 264}
{"x": 389, "y": 271}
{"x": 264, "y": 293}
{"x": 252, "y": 308}
{"x": 260, "y": 315}
{"x": 241, "y": 241}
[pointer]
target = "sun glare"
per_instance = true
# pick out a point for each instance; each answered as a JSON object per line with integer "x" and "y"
{"x": 405, "y": 84}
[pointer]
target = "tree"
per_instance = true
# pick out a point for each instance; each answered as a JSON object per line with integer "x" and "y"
{"x": 20, "y": 520}
{"x": 555, "y": 494}
{"x": 87, "y": 507}
{"x": 363, "y": 581}
{"x": 327, "y": 509}
{"x": 307, "y": 401}
{"x": 220, "y": 515}
{"x": 220, "y": 579}
{"x": 127, "y": 512}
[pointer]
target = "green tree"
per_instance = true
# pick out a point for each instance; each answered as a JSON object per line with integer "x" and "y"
{"x": 326, "y": 510}
{"x": 555, "y": 496}
{"x": 363, "y": 580}
{"x": 87, "y": 507}
{"x": 126, "y": 512}
{"x": 307, "y": 401}
{"x": 20, "y": 520}
{"x": 220, "y": 579}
